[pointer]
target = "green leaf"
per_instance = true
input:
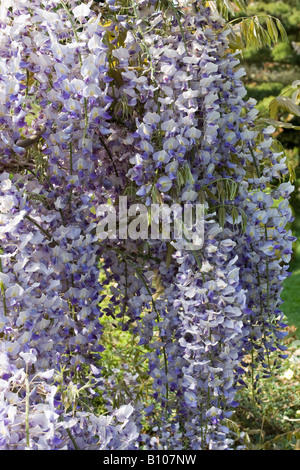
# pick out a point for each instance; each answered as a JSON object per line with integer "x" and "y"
{"x": 266, "y": 39}
{"x": 292, "y": 173}
{"x": 288, "y": 105}
{"x": 211, "y": 195}
{"x": 282, "y": 30}
{"x": 180, "y": 180}
{"x": 257, "y": 31}
{"x": 296, "y": 96}
{"x": 221, "y": 191}
{"x": 187, "y": 175}
{"x": 244, "y": 30}
{"x": 222, "y": 216}
{"x": 234, "y": 214}
{"x": 277, "y": 146}
{"x": 242, "y": 5}
{"x": 296, "y": 84}
{"x": 251, "y": 34}
{"x": 227, "y": 4}
{"x": 235, "y": 41}
{"x": 233, "y": 190}
{"x": 121, "y": 37}
{"x": 244, "y": 221}
{"x": 170, "y": 251}
{"x": 272, "y": 29}
{"x": 225, "y": 7}
{"x": 284, "y": 125}
{"x": 273, "y": 109}
{"x": 202, "y": 198}
{"x": 117, "y": 76}
{"x": 158, "y": 286}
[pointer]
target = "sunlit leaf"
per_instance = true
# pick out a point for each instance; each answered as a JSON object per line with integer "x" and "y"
{"x": 272, "y": 29}
{"x": 292, "y": 172}
{"x": 257, "y": 31}
{"x": 288, "y": 105}
{"x": 296, "y": 84}
{"x": 158, "y": 286}
{"x": 282, "y": 30}
{"x": 283, "y": 124}
{"x": 296, "y": 96}
{"x": 241, "y": 5}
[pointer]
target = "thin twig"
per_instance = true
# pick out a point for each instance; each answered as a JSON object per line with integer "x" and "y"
{"x": 109, "y": 154}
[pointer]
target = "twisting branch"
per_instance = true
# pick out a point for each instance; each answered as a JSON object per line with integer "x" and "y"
{"x": 14, "y": 164}
{"x": 33, "y": 139}
{"x": 109, "y": 154}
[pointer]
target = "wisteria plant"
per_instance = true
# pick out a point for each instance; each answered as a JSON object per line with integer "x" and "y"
{"x": 141, "y": 99}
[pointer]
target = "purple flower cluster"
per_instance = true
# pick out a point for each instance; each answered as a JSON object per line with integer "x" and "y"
{"x": 131, "y": 101}
{"x": 31, "y": 416}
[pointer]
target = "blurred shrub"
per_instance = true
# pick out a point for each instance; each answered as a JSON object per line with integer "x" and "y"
{"x": 259, "y": 91}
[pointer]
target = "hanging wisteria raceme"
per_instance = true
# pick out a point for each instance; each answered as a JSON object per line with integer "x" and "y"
{"x": 189, "y": 110}
{"x": 49, "y": 269}
{"x": 132, "y": 99}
